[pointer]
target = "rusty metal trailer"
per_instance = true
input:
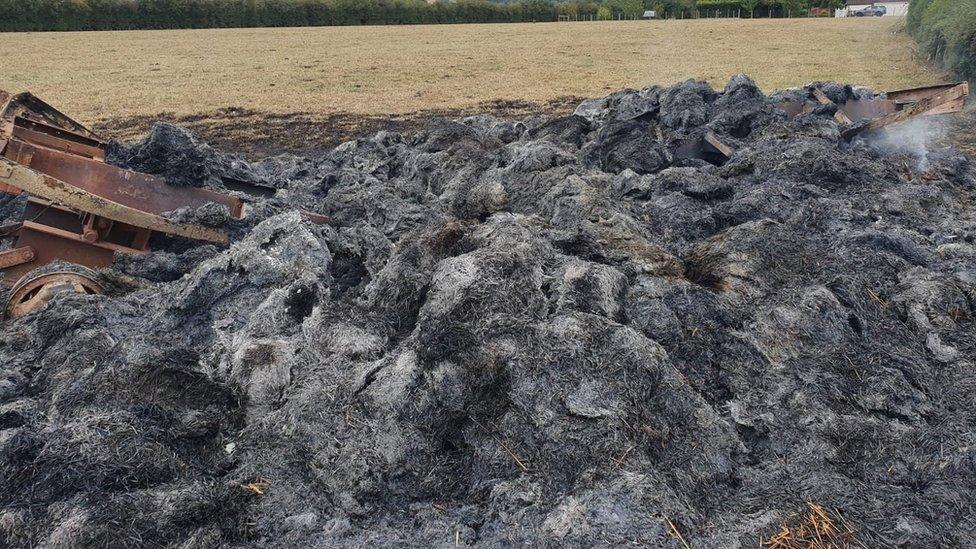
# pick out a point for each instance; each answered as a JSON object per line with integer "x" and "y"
{"x": 79, "y": 209}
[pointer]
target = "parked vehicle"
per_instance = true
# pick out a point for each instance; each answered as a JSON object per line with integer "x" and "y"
{"x": 871, "y": 11}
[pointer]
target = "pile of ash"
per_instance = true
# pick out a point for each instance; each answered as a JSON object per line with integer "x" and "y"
{"x": 531, "y": 332}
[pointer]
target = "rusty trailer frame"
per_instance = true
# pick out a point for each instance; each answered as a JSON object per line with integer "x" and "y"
{"x": 79, "y": 209}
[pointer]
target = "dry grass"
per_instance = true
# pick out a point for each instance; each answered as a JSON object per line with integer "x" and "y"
{"x": 818, "y": 529}
{"x": 385, "y": 70}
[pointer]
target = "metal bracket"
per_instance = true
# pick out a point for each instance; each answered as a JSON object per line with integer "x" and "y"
{"x": 17, "y": 256}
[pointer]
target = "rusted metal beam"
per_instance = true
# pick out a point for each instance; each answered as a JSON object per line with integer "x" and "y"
{"x": 822, "y": 98}
{"x": 61, "y": 192}
{"x": 27, "y": 106}
{"x": 49, "y": 248}
{"x": 792, "y": 108}
{"x": 132, "y": 189}
{"x": 717, "y": 144}
{"x": 866, "y": 109}
{"x": 16, "y": 256}
{"x": 80, "y": 238}
{"x": 707, "y": 147}
{"x": 80, "y": 209}
{"x": 951, "y": 106}
{"x": 881, "y": 105}
{"x": 953, "y": 98}
{"x": 923, "y": 92}
{"x": 315, "y": 218}
{"x": 61, "y": 140}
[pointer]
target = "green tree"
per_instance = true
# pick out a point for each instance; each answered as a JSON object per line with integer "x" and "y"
{"x": 946, "y": 33}
{"x": 671, "y": 8}
{"x": 632, "y": 8}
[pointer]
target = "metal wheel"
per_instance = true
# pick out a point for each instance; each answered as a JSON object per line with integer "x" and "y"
{"x": 36, "y": 289}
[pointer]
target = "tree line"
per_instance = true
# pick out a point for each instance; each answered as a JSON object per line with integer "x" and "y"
{"x": 743, "y": 8}
{"x": 946, "y": 33}
{"x": 68, "y": 15}
{"x": 46, "y": 15}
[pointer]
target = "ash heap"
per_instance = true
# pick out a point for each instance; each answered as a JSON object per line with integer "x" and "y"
{"x": 672, "y": 319}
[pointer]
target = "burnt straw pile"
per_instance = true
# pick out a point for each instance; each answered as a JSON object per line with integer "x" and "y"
{"x": 548, "y": 331}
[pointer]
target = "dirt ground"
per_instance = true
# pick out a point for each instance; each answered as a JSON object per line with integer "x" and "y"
{"x": 255, "y": 134}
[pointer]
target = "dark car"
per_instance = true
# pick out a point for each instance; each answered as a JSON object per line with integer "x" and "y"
{"x": 871, "y": 11}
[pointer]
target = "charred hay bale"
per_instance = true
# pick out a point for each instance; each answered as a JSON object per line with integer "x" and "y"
{"x": 395, "y": 294}
{"x": 541, "y": 193}
{"x": 514, "y": 331}
{"x": 591, "y": 288}
{"x": 378, "y": 156}
{"x": 815, "y": 323}
{"x": 278, "y": 251}
{"x": 620, "y": 106}
{"x": 163, "y": 266}
{"x": 619, "y": 240}
{"x": 469, "y": 291}
{"x": 537, "y": 157}
{"x": 570, "y": 398}
{"x": 742, "y": 108}
{"x": 647, "y": 310}
{"x": 11, "y": 207}
{"x": 930, "y": 301}
{"x": 441, "y": 135}
{"x": 694, "y": 183}
{"x": 170, "y": 152}
{"x": 89, "y": 453}
{"x": 569, "y": 129}
{"x": 815, "y": 161}
{"x": 643, "y": 103}
{"x": 686, "y": 105}
{"x": 636, "y": 145}
{"x": 739, "y": 258}
{"x": 471, "y": 197}
{"x": 355, "y": 198}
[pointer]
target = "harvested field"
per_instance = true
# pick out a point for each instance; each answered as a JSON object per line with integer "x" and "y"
{"x": 549, "y": 331}
{"x": 224, "y": 82}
